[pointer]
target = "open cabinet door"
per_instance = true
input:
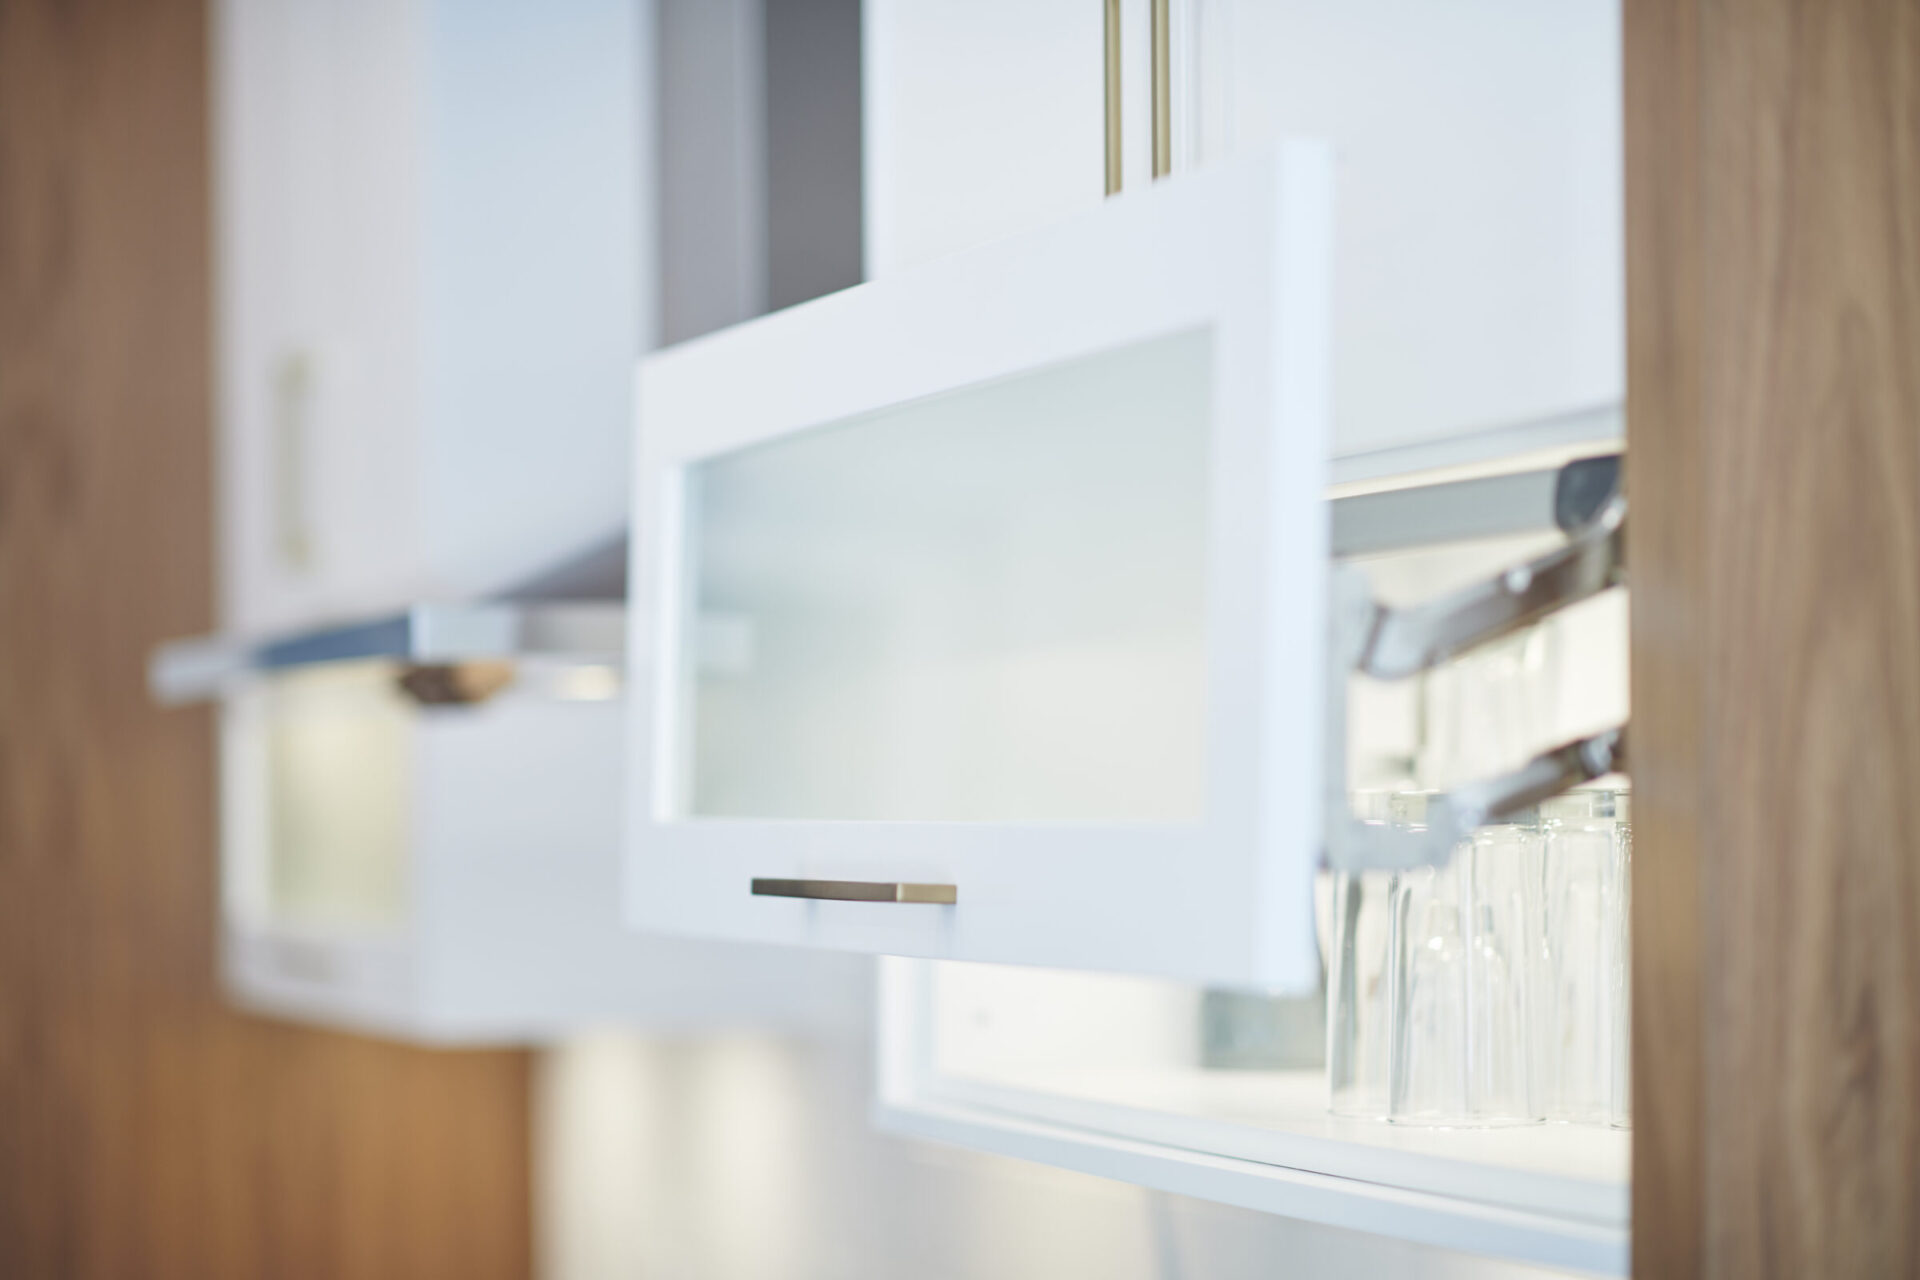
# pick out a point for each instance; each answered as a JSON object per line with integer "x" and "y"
{"x": 980, "y": 611}
{"x": 1774, "y": 317}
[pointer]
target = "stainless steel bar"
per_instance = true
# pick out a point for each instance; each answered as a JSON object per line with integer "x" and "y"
{"x": 1359, "y": 846}
{"x": 1456, "y": 511}
{"x": 191, "y": 670}
{"x": 1403, "y": 642}
{"x": 377, "y": 638}
{"x": 856, "y": 891}
{"x": 1545, "y": 776}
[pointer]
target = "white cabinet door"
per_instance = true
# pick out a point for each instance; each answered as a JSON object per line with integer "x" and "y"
{"x": 981, "y": 120}
{"x": 317, "y": 204}
{"x": 1001, "y": 581}
{"x": 429, "y": 234}
{"x": 1482, "y": 270}
{"x": 1478, "y": 152}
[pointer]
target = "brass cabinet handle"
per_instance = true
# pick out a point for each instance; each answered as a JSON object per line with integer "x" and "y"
{"x": 292, "y": 440}
{"x": 855, "y": 891}
{"x": 1160, "y": 57}
{"x": 1112, "y": 105}
{"x": 1162, "y": 49}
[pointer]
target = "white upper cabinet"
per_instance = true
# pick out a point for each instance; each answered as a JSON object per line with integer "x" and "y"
{"x": 995, "y": 589}
{"x": 1477, "y": 144}
{"x": 431, "y": 291}
{"x": 420, "y": 834}
{"x": 1481, "y": 261}
{"x": 980, "y": 120}
{"x": 437, "y": 259}
{"x": 446, "y": 871}
{"x": 981, "y": 611}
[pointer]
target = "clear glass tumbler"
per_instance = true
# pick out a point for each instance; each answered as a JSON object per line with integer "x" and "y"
{"x": 1582, "y": 1018}
{"x": 1354, "y": 929}
{"x": 1465, "y": 955}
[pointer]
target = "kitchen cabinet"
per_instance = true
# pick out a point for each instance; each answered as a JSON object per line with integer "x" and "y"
{"x": 1477, "y": 162}
{"x": 1107, "y": 1075}
{"x": 998, "y": 590}
{"x": 431, "y": 284}
{"x": 997, "y": 549}
{"x": 996, "y": 607}
{"x": 438, "y": 262}
{"x": 420, "y": 818}
{"x": 1451, "y": 1081}
{"x": 1773, "y": 651}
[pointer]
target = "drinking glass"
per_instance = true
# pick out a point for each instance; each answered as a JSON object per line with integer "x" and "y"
{"x": 1356, "y": 934}
{"x": 1582, "y": 1016}
{"x": 1464, "y": 953}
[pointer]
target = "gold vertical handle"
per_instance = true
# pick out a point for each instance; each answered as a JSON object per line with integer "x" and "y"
{"x": 290, "y": 442}
{"x": 1112, "y": 34}
{"x": 1162, "y": 91}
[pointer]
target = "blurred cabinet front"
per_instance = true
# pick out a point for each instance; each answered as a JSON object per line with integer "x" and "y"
{"x": 421, "y": 824}
{"x": 438, "y": 262}
{"x": 433, "y": 246}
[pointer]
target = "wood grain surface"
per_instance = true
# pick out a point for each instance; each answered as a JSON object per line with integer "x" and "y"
{"x": 144, "y": 1129}
{"x": 1773, "y": 188}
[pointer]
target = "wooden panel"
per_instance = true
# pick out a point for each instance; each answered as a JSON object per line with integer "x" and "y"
{"x": 147, "y": 1131}
{"x": 1665, "y": 552}
{"x": 1773, "y": 156}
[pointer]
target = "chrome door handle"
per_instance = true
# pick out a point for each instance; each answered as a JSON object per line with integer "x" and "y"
{"x": 855, "y": 891}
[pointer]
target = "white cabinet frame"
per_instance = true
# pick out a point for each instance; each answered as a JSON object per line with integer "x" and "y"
{"x": 1243, "y": 252}
{"x": 1554, "y": 1195}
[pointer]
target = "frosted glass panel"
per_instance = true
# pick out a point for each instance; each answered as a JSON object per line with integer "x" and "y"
{"x": 338, "y": 746}
{"x": 986, "y": 605}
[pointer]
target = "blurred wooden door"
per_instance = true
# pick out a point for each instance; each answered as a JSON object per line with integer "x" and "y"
{"x": 144, "y": 1129}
